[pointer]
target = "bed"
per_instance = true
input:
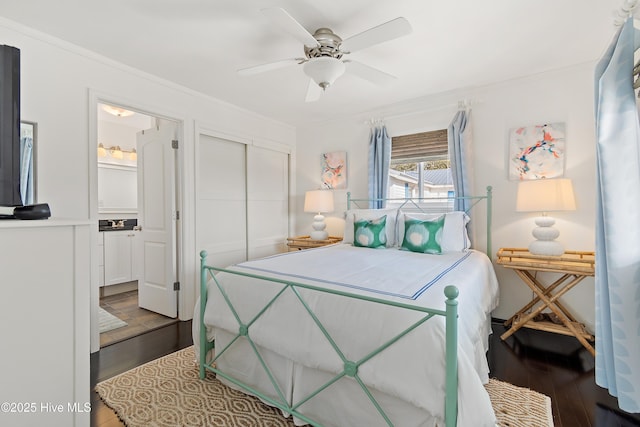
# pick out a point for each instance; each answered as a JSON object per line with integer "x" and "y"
{"x": 352, "y": 335}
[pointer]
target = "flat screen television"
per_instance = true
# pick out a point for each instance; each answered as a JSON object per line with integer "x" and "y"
{"x": 9, "y": 126}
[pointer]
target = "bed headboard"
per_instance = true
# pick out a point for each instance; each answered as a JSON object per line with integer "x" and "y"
{"x": 435, "y": 205}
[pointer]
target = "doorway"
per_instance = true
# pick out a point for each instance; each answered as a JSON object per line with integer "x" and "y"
{"x": 124, "y": 159}
{"x": 124, "y": 307}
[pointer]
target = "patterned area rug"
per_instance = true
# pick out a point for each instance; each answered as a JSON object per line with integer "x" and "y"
{"x": 109, "y": 322}
{"x": 168, "y": 392}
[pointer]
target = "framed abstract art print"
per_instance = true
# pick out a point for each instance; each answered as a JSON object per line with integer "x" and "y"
{"x": 334, "y": 170}
{"x": 537, "y": 152}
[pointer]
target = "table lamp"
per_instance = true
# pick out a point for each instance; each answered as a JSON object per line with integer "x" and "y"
{"x": 545, "y": 195}
{"x": 318, "y": 201}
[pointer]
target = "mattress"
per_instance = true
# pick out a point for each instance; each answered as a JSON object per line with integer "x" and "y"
{"x": 411, "y": 371}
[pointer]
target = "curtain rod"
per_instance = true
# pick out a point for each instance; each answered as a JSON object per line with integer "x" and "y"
{"x": 374, "y": 121}
{"x": 463, "y": 104}
{"x": 625, "y": 11}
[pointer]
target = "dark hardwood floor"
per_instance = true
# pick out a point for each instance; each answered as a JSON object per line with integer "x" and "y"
{"x": 561, "y": 368}
{"x": 555, "y": 365}
{"x": 125, "y": 355}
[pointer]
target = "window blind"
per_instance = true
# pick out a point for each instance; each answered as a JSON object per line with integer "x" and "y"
{"x": 419, "y": 147}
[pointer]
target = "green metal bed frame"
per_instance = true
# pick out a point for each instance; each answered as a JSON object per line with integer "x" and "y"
{"x": 350, "y": 367}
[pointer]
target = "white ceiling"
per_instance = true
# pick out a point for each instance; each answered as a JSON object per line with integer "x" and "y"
{"x": 201, "y": 44}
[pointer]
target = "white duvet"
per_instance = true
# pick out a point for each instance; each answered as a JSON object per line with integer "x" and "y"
{"x": 413, "y": 368}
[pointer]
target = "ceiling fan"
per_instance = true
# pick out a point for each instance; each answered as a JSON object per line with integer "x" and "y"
{"x": 325, "y": 52}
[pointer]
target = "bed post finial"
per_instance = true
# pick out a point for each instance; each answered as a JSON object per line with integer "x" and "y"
{"x": 451, "y": 395}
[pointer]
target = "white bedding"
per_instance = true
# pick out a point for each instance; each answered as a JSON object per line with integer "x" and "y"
{"x": 413, "y": 368}
{"x": 372, "y": 270}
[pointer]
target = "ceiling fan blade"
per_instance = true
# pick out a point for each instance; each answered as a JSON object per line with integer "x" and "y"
{"x": 256, "y": 69}
{"x": 369, "y": 73}
{"x": 313, "y": 92}
{"x": 288, "y": 23}
{"x": 388, "y": 31}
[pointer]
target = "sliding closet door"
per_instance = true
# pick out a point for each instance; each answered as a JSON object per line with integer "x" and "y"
{"x": 268, "y": 201}
{"x": 221, "y": 207}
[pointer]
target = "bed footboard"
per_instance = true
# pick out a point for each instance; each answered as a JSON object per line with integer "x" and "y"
{"x": 205, "y": 344}
{"x": 350, "y": 366}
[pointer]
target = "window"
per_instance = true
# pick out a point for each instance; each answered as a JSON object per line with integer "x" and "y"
{"x": 420, "y": 166}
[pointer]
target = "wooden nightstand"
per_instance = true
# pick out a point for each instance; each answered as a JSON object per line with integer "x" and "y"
{"x": 573, "y": 266}
{"x": 305, "y": 242}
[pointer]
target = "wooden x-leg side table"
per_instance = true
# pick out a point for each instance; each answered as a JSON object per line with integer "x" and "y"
{"x": 573, "y": 266}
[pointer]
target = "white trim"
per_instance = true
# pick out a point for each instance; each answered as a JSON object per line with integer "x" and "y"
{"x": 292, "y": 191}
{"x": 204, "y": 129}
{"x": 96, "y": 97}
{"x": 117, "y": 167}
{"x": 272, "y": 145}
{"x": 81, "y": 314}
{"x": 208, "y": 131}
{"x": 118, "y": 210}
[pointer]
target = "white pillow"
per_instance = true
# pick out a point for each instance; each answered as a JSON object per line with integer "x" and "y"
{"x": 370, "y": 214}
{"x": 454, "y": 232}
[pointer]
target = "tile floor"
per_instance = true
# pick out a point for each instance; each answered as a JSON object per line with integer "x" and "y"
{"x": 125, "y": 307}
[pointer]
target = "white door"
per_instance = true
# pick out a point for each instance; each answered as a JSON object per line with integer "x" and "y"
{"x": 157, "y": 219}
{"x": 221, "y": 200}
{"x": 268, "y": 201}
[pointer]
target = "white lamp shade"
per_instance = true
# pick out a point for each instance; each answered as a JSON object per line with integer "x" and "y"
{"x": 324, "y": 70}
{"x": 545, "y": 195}
{"x": 318, "y": 201}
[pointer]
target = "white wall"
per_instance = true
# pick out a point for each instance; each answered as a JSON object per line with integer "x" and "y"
{"x": 121, "y": 131}
{"x": 58, "y": 80}
{"x": 121, "y": 185}
{"x": 561, "y": 96}
{"x": 59, "y": 85}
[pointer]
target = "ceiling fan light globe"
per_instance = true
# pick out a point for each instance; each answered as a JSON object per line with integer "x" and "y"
{"x": 324, "y": 70}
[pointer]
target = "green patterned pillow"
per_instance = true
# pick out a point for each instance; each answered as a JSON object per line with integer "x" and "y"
{"x": 370, "y": 233}
{"x": 423, "y": 236}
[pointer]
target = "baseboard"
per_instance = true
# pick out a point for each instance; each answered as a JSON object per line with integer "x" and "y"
{"x": 107, "y": 291}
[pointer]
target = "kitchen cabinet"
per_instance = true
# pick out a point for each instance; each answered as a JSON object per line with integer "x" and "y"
{"x": 119, "y": 257}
